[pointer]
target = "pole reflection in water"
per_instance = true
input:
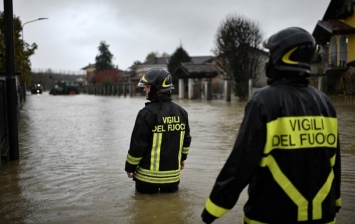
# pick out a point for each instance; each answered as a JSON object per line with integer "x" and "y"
{"x": 72, "y": 155}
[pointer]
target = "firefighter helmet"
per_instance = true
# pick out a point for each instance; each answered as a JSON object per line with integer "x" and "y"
{"x": 291, "y": 50}
{"x": 159, "y": 78}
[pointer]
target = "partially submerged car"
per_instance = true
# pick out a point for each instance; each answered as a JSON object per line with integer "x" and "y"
{"x": 36, "y": 89}
{"x": 65, "y": 88}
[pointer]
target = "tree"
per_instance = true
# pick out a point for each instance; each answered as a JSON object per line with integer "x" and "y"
{"x": 236, "y": 51}
{"x": 104, "y": 58}
{"x": 22, "y": 51}
{"x": 135, "y": 63}
{"x": 165, "y": 55}
{"x": 152, "y": 56}
{"x": 180, "y": 55}
{"x": 108, "y": 77}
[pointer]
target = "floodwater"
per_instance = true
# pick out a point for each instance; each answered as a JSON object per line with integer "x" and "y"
{"x": 72, "y": 155}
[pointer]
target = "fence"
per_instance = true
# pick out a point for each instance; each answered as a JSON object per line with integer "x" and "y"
{"x": 109, "y": 90}
{"x": 3, "y": 126}
{"x": 340, "y": 95}
{"x": 342, "y": 100}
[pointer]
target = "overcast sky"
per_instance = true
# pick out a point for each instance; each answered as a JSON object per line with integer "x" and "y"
{"x": 68, "y": 40}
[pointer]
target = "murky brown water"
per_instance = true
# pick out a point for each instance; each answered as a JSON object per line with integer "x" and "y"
{"x": 72, "y": 154}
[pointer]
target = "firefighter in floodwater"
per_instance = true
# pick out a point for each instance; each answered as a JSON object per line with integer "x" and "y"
{"x": 160, "y": 139}
{"x": 287, "y": 149}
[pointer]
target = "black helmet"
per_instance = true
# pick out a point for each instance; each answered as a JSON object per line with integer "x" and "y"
{"x": 159, "y": 78}
{"x": 291, "y": 50}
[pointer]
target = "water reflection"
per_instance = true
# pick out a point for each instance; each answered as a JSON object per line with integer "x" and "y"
{"x": 158, "y": 208}
{"x": 13, "y": 206}
{"x": 72, "y": 154}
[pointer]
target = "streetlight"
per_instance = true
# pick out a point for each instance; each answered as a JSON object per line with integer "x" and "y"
{"x": 42, "y": 18}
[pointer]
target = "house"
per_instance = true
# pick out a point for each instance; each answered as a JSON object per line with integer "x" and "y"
{"x": 90, "y": 72}
{"x": 195, "y": 79}
{"x": 162, "y": 62}
{"x": 335, "y": 34}
{"x": 199, "y": 78}
{"x": 141, "y": 69}
{"x": 208, "y": 79}
{"x": 114, "y": 75}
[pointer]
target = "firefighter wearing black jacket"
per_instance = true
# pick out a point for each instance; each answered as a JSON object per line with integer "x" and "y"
{"x": 160, "y": 139}
{"x": 287, "y": 149}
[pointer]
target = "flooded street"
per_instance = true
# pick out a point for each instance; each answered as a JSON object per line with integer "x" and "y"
{"x": 72, "y": 155}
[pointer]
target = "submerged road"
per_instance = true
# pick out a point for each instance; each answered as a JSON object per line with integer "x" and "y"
{"x": 72, "y": 155}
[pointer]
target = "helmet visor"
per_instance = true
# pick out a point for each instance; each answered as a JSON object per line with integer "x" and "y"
{"x": 140, "y": 84}
{"x": 143, "y": 82}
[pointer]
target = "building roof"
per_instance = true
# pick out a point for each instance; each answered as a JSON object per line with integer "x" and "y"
{"x": 88, "y": 66}
{"x": 165, "y": 60}
{"x": 331, "y": 24}
{"x": 159, "y": 60}
{"x": 339, "y": 9}
{"x": 336, "y": 27}
{"x": 193, "y": 70}
{"x": 201, "y": 59}
{"x": 327, "y": 28}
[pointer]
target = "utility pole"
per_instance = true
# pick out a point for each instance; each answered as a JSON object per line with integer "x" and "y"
{"x": 11, "y": 91}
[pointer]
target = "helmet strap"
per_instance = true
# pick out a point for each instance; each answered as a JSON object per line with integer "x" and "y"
{"x": 271, "y": 71}
{"x": 152, "y": 95}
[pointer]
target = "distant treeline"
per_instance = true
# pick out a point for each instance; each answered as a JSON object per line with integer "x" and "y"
{"x": 49, "y": 78}
{"x": 62, "y": 72}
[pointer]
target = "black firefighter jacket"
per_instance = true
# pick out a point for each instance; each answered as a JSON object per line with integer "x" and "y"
{"x": 160, "y": 140}
{"x": 287, "y": 151}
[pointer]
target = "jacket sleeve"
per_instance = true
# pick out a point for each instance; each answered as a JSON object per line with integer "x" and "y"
{"x": 337, "y": 166}
{"x": 240, "y": 166}
{"x": 337, "y": 177}
{"x": 139, "y": 141}
{"x": 187, "y": 141}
